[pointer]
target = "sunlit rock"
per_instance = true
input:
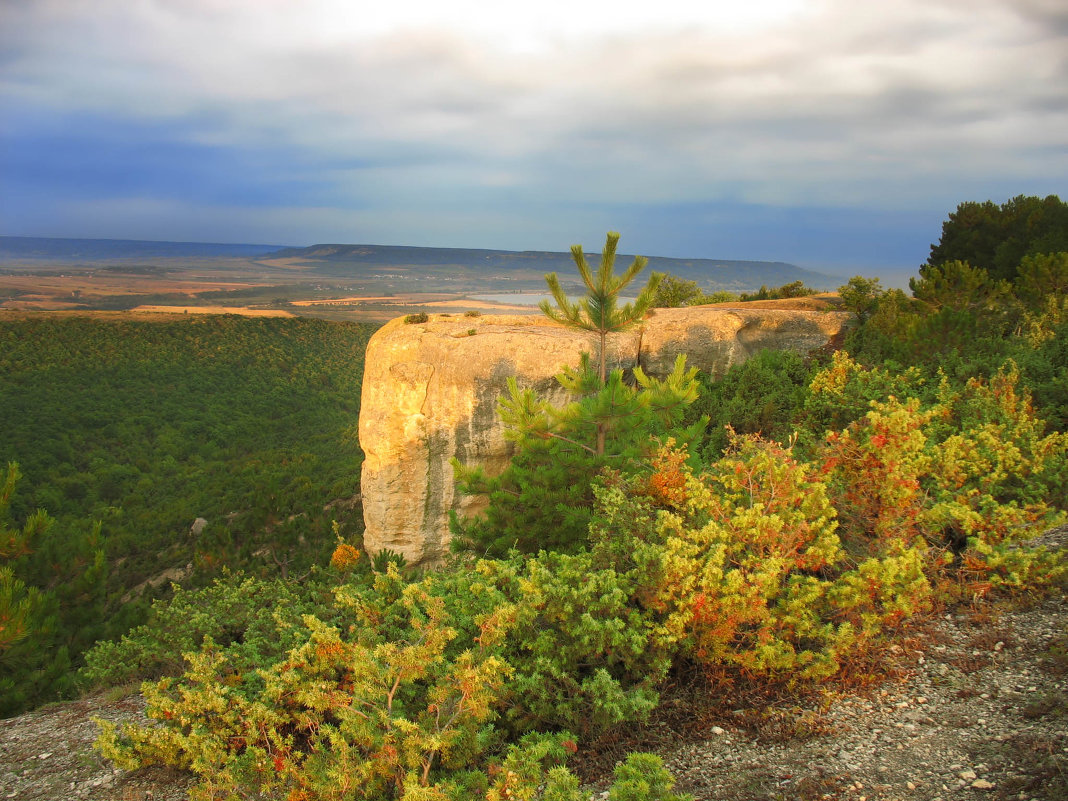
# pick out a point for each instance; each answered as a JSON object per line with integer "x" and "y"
{"x": 430, "y": 393}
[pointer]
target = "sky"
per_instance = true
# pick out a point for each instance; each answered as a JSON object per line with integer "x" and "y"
{"x": 834, "y": 134}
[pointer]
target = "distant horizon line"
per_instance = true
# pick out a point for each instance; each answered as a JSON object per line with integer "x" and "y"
{"x": 376, "y": 244}
{"x": 893, "y": 276}
{"x": 149, "y": 241}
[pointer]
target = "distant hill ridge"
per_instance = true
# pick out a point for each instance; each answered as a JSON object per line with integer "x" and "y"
{"x": 720, "y": 271}
{"x": 732, "y": 274}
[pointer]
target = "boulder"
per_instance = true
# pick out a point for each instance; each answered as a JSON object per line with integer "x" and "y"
{"x": 430, "y": 393}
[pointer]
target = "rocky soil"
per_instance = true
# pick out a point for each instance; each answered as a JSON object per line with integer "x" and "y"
{"x": 47, "y": 755}
{"x": 977, "y": 708}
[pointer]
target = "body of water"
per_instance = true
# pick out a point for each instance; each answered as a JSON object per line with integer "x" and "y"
{"x": 530, "y": 299}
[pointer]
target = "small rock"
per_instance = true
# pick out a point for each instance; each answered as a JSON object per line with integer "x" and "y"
{"x": 982, "y": 784}
{"x": 716, "y": 730}
{"x": 967, "y": 775}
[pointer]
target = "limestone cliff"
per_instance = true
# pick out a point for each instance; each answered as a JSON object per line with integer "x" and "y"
{"x": 430, "y": 393}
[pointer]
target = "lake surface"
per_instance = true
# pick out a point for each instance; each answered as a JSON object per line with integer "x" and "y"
{"x": 529, "y": 298}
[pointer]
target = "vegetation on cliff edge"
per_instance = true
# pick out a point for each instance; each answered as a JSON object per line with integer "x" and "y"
{"x": 854, "y": 496}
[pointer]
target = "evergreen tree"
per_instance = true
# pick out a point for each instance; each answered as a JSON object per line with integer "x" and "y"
{"x": 32, "y": 668}
{"x": 861, "y": 296}
{"x": 543, "y": 499}
{"x": 599, "y": 311}
{"x": 996, "y": 238}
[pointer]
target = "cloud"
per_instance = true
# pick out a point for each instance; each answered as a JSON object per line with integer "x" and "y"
{"x": 449, "y": 111}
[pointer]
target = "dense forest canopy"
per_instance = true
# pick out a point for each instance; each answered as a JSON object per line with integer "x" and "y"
{"x": 127, "y": 431}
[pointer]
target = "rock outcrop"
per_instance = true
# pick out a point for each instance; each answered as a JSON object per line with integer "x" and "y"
{"x": 430, "y": 393}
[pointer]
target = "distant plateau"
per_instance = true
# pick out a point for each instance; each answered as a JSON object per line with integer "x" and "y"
{"x": 361, "y": 282}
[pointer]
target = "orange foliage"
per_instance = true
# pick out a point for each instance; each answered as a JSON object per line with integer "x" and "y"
{"x": 345, "y": 557}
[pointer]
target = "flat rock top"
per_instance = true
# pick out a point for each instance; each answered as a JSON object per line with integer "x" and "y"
{"x": 662, "y": 325}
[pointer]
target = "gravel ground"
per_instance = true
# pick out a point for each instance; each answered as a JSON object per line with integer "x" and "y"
{"x": 47, "y": 755}
{"x": 977, "y": 709}
{"x": 980, "y": 710}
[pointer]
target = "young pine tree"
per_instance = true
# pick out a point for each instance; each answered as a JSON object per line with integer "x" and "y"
{"x": 543, "y": 499}
{"x": 599, "y": 311}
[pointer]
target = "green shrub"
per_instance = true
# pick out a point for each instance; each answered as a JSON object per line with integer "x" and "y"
{"x": 582, "y": 649}
{"x": 533, "y": 769}
{"x": 248, "y": 616}
{"x": 795, "y": 289}
{"x": 763, "y": 395}
{"x": 674, "y": 292}
{"x": 391, "y": 691}
{"x": 411, "y": 319}
{"x": 643, "y": 777}
{"x": 395, "y": 700}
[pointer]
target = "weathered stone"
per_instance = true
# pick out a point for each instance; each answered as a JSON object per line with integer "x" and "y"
{"x": 715, "y": 337}
{"x": 430, "y": 393}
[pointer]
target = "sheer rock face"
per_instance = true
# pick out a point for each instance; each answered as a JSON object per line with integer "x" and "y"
{"x": 430, "y": 393}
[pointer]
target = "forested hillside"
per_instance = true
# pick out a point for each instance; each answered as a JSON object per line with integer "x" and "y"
{"x": 127, "y": 431}
{"x": 778, "y": 531}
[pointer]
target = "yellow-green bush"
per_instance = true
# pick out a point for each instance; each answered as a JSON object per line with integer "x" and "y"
{"x": 763, "y": 563}
{"x": 972, "y": 472}
{"x": 387, "y": 706}
{"x": 743, "y": 568}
